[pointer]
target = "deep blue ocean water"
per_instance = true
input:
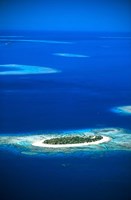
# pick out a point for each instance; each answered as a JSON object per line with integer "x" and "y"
{"x": 80, "y": 96}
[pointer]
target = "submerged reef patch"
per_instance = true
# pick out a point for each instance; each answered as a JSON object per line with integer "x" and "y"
{"x": 123, "y": 110}
{"x": 15, "y": 69}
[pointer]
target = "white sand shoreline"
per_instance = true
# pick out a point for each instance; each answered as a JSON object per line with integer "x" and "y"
{"x": 40, "y": 143}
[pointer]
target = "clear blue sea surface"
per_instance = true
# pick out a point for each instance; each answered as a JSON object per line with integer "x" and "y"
{"x": 93, "y": 79}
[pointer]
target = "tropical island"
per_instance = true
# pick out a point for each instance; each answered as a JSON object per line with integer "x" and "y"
{"x": 33, "y": 144}
{"x": 72, "y": 139}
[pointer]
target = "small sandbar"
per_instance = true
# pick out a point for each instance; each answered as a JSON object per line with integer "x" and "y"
{"x": 71, "y": 55}
{"x": 15, "y": 69}
{"x": 122, "y": 110}
{"x": 40, "y": 143}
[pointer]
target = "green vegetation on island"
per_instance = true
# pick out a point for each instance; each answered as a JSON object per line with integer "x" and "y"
{"x": 73, "y": 139}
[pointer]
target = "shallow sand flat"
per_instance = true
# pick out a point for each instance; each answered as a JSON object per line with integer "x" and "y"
{"x": 15, "y": 69}
{"x": 122, "y": 110}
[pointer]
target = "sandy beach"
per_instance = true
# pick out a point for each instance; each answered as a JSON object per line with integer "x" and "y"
{"x": 40, "y": 143}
